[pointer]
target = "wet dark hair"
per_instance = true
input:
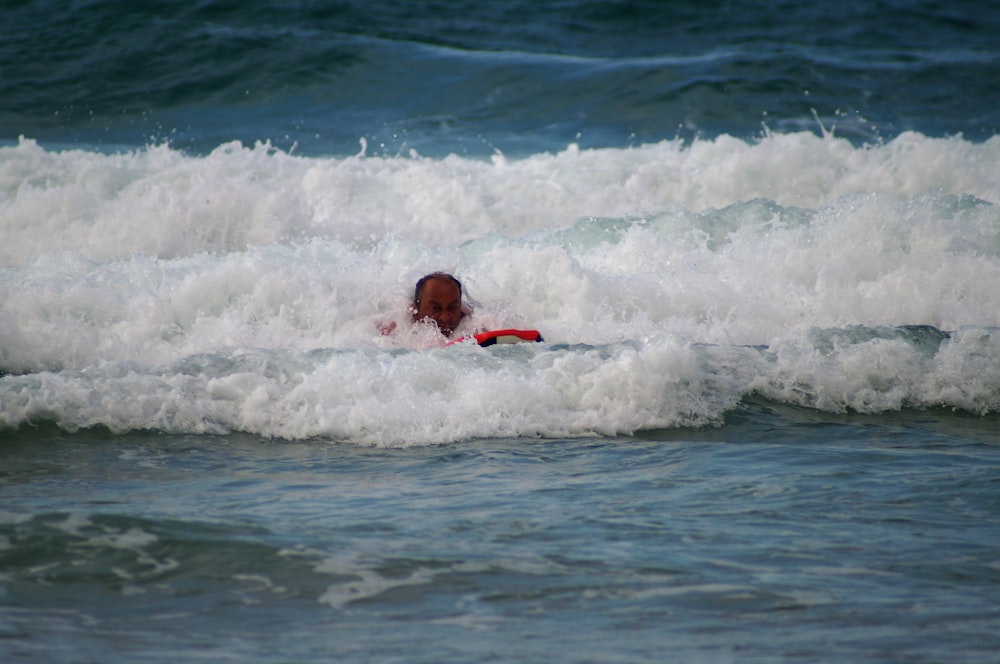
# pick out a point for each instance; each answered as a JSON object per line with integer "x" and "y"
{"x": 433, "y": 275}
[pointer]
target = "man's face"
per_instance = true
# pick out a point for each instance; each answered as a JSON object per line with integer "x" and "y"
{"x": 441, "y": 302}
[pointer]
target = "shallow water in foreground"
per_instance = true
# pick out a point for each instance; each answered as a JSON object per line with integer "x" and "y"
{"x": 784, "y": 534}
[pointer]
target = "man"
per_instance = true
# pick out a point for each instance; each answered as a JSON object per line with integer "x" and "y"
{"x": 437, "y": 298}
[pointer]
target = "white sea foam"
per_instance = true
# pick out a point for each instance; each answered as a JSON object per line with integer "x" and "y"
{"x": 159, "y": 202}
{"x": 240, "y": 291}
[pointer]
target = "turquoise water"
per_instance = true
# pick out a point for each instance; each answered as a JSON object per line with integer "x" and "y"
{"x": 761, "y": 246}
{"x": 781, "y": 535}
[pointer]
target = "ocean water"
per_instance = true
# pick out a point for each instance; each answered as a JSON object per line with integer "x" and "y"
{"x": 761, "y": 240}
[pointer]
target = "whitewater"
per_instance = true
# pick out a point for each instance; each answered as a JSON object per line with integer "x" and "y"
{"x": 235, "y": 291}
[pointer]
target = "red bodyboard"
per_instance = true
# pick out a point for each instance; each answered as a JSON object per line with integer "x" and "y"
{"x": 509, "y": 336}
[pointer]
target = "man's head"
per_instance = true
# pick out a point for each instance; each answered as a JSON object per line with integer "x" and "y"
{"x": 438, "y": 297}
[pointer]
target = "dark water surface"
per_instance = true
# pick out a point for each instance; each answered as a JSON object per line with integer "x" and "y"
{"x": 516, "y": 76}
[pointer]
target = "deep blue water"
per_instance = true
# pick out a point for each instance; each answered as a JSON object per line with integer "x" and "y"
{"x": 761, "y": 241}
